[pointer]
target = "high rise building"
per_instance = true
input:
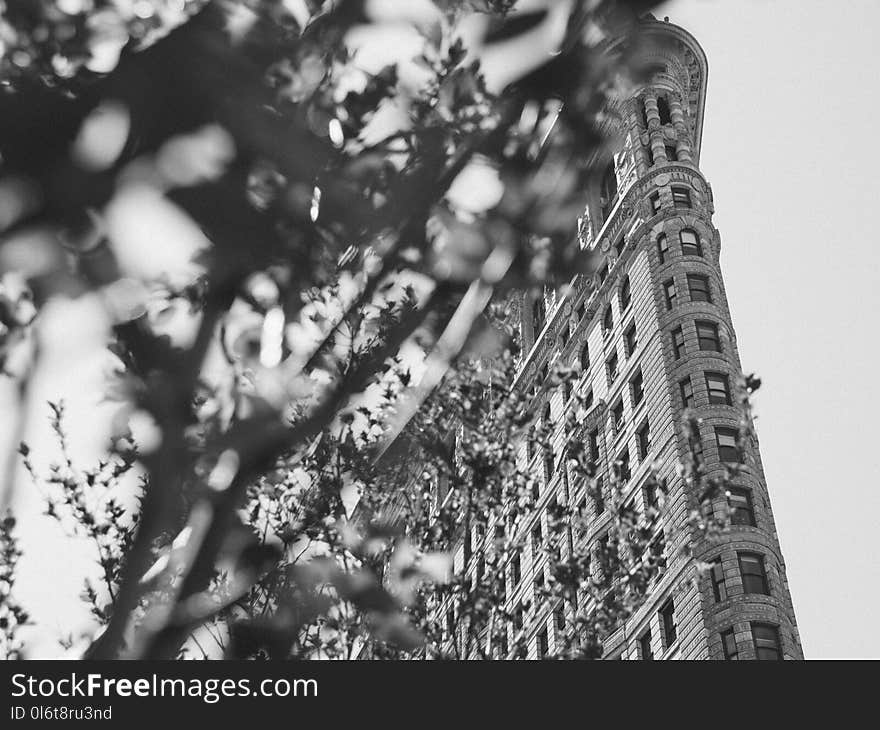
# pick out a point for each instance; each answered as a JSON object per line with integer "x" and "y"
{"x": 654, "y": 336}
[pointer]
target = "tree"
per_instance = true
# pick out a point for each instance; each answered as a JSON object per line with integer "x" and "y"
{"x": 294, "y": 254}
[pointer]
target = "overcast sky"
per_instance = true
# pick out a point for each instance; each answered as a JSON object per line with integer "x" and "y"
{"x": 790, "y": 147}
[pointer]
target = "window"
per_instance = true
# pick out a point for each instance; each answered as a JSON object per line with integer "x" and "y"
{"x": 607, "y": 320}
{"x": 677, "y": 343}
{"x": 603, "y": 273}
{"x": 549, "y": 461}
{"x": 754, "y": 575}
{"x": 690, "y": 243}
{"x": 559, "y": 617}
{"x": 739, "y": 504}
{"x": 539, "y": 312}
{"x": 681, "y": 197}
{"x": 620, "y": 245}
{"x": 582, "y": 310}
{"x": 502, "y": 643}
{"x": 698, "y": 286}
{"x": 671, "y": 153}
{"x": 599, "y": 497}
{"x": 623, "y": 469}
{"x": 608, "y": 191}
{"x": 450, "y": 622}
{"x": 719, "y": 588}
{"x": 588, "y": 399}
{"x": 645, "y": 651}
{"x": 663, "y": 110}
{"x": 637, "y": 387}
{"x": 657, "y": 550}
{"x": 644, "y": 437}
{"x": 543, "y": 644}
{"x": 594, "y": 444}
{"x": 655, "y": 201}
{"x": 728, "y": 644}
{"x": 537, "y": 537}
{"x": 727, "y": 444}
{"x": 625, "y": 293}
{"x": 567, "y": 391}
{"x": 766, "y": 640}
{"x": 518, "y": 617}
{"x": 719, "y": 389}
{"x": 667, "y": 623}
{"x": 585, "y": 358}
{"x": 697, "y": 441}
{"x": 617, "y": 417}
{"x": 687, "y": 393}
{"x": 650, "y": 496}
{"x": 707, "y": 334}
{"x": 670, "y": 292}
{"x": 662, "y": 247}
{"x": 630, "y": 339}
{"x": 611, "y": 367}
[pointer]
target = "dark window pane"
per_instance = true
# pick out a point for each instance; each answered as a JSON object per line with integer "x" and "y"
{"x": 719, "y": 588}
{"x": 690, "y": 243}
{"x": 625, "y": 294}
{"x": 687, "y": 393}
{"x": 707, "y": 334}
{"x": 698, "y": 286}
{"x": 638, "y": 388}
{"x": 740, "y": 505}
{"x": 611, "y": 366}
{"x": 632, "y": 341}
{"x": 718, "y": 386}
{"x": 662, "y": 247}
{"x": 623, "y": 468}
{"x": 670, "y": 292}
{"x": 754, "y": 576}
{"x": 727, "y": 444}
{"x": 766, "y": 638}
{"x": 667, "y": 622}
{"x": 663, "y": 110}
{"x": 647, "y": 654}
{"x": 599, "y": 497}
{"x": 678, "y": 343}
{"x": 617, "y": 416}
{"x": 728, "y": 642}
{"x": 681, "y": 197}
{"x": 644, "y": 441}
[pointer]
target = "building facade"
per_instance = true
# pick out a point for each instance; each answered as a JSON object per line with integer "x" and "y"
{"x": 653, "y": 334}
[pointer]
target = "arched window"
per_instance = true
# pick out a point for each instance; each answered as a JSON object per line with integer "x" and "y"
{"x": 585, "y": 357}
{"x": 608, "y": 319}
{"x": 663, "y": 110}
{"x": 671, "y": 153}
{"x": 690, "y": 243}
{"x": 625, "y": 293}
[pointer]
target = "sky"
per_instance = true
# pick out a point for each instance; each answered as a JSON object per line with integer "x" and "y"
{"x": 789, "y": 149}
